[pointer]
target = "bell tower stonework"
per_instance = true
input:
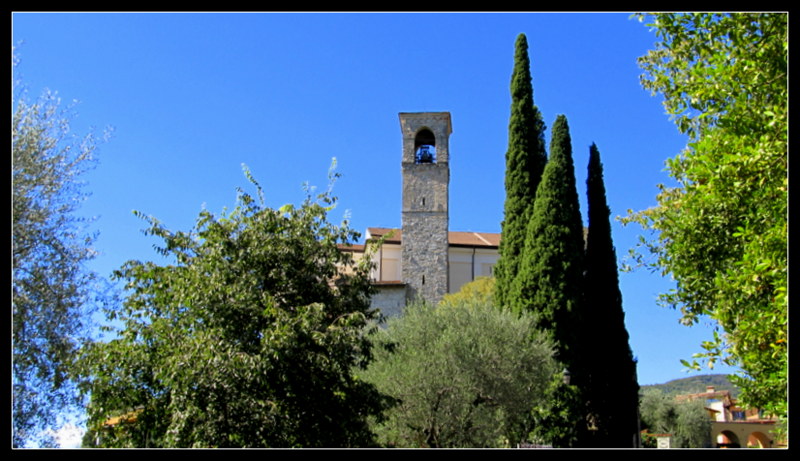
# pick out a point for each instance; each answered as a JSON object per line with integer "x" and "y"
{"x": 425, "y": 218}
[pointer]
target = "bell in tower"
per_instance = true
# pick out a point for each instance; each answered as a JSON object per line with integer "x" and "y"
{"x": 425, "y": 146}
{"x": 425, "y": 154}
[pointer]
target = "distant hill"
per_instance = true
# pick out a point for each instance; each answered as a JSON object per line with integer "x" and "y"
{"x": 695, "y": 385}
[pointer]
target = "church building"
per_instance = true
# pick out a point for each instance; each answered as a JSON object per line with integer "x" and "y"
{"x": 424, "y": 259}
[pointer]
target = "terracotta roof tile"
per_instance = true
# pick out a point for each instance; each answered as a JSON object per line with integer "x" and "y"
{"x": 474, "y": 239}
{"x": 354, "y": 247}
{"x": 471, "y": 239}
{"x": 378, "y": 232}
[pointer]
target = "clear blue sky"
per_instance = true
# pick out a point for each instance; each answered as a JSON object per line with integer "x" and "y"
{"x": 192, "y": 97}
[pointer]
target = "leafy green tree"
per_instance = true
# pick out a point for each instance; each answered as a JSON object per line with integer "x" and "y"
{"x": 252, "y": 337}
{"x": 721, "y": 232}
{"x": 465, "y": 374}
{"x": 549, "y": 284}
{"x": 550, "y": 280}
{"x": 51, "y": 287}
{"x": 612, "y": 388}
{"x": 560, "y": 421}
{"x": 480, "y": 291}
{"x": 687, "y": 422}
{"x": 525, "y": 160}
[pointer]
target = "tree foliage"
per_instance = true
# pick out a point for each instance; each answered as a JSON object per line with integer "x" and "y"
{"x": 560, "y": 422}
{"x": 525, "y": 160}
{"x": 465, "y": 374}
{"x": 51, "y": 286}
{"x": 252, "y": 337}
{"x": 606, "y": 357}
{"x": 549, "y": 284}
{"x": 721, "y": 232}
{"x": 479, "y": 291}
{"x": 686, "y": 422}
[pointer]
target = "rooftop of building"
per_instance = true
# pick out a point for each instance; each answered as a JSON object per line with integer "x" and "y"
{"x": 456, "y": 238}
{"x": 710, "y": 393}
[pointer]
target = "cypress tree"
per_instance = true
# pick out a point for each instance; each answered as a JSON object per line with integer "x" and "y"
{"x": 550, "y": 278}
{"x": 525, "y": 160}
{"x": 612, "y": 387}
{"x": 550, "y": 286}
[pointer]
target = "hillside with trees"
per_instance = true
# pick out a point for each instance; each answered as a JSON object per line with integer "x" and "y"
{"x": 695, "y": 385}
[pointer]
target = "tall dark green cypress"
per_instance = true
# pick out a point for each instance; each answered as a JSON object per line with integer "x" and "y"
{"x": 612, "y": 390}
{"x": 525, "y": 160}
{"x": 550, "y": 286}
{"x": 550, "y": 279}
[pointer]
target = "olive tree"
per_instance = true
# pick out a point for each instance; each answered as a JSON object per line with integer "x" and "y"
{"x": 464, "y": 374}
{"x": 52, "y": 290}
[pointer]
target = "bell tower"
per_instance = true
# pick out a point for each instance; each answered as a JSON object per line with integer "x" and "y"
{"x": 425, "y": 219}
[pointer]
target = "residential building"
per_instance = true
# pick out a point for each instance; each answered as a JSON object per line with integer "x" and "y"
{"x": 470, "y": 255}
{"x": 733, "y": 426}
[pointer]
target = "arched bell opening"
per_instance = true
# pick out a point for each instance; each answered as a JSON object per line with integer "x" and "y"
{"x": 425, "y": 147}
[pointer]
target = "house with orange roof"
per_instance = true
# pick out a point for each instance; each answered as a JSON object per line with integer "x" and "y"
{"x": 733, "y": 426}
{"x": 470, "y": 255}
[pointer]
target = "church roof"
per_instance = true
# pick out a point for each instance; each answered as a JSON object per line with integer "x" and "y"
{"x": 464, "y": 239}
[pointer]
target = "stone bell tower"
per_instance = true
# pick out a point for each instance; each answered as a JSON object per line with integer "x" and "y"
{"x": 425, "y": 219}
